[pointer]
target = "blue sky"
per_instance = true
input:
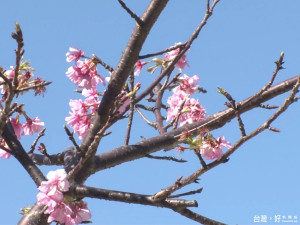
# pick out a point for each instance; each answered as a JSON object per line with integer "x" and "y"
{"x": 236, "y": 50}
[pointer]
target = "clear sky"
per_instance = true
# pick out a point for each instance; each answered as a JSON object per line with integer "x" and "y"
{"x": 236, "y": 50}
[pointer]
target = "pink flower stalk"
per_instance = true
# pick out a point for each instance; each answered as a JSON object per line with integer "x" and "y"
{"x": 84, "y": 74}
{"x": 138, "y": 66}
{"x": 74, "y": 54}
{"x": 182, "y": 62}
{"x": 32, "y": 126}
{"x": 212, "y": 149}
{"x": 17, "y": 127}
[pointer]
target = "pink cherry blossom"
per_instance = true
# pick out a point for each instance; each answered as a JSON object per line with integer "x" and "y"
{"x": 192, "y": 112}
{"x": 90, "y": 93}
{"x": 4, "y": 154}
{"x": 10, "y": 73}
{"x": 84, "y": 74}
{"x": 61, "y": 213}
{"x": 188, "y": 85}
{"x": 79, "y": 118}
{"x": 138, "y": 66}
{"x": 74, "y": 54}
{"x": 17, "y": 127}
{"x": 32, "y": 126}
{"x": 51, "y": 195}
{"x": 212, "y": 149}
{"x": 80, "y": 212}
{"x": 182, "y": 62}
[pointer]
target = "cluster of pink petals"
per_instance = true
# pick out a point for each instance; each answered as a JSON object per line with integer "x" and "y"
{"x": 31, "y": 126}
{"x": 191, "y": 112}
{"x": 213, "y": 149}
{"x": 10, "y": 73}
{"x": 188, "y": 85}
{"x": 74, "y": 54}
{"x": 180, "y": 102}
{"x": 182, "y": 62}
{"x": 84, "y": 74}
{"x": 51, "y": 195}
{"x": 80, "y": 118}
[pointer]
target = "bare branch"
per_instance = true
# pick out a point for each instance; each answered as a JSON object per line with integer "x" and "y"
{"x": 170, "y": 158}
{"x": 132, "y": 14}
{"x": 198, "y": 191}
{"x": 130, "y": 118}
{"x": 163, "y": 51}
{"x": 85, "y": 191}
{"x": 41, "y": 134}
{"x": 196, "y": 217}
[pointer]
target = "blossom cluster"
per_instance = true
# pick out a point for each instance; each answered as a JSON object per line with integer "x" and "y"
{"x": 181, "y": 105}
{"x": 212, "y": 148}
{"x": 84, "y": 74}
{"x": 26, "y": 81}
{"x": 59, "y": 208}
{"x": 28, "y": 128}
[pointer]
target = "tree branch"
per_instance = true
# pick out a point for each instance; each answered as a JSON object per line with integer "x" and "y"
{"x": 170, "y": 139}
{"x": 119, "y": 77}
{"x": 111, "y": 195}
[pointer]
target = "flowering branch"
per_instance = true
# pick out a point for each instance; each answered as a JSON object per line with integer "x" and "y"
{"x": 170, "y": 139}
{"x": 118, "y": 79}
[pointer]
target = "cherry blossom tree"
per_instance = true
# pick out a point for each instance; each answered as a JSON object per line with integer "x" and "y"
{"x": 180, "y": 122}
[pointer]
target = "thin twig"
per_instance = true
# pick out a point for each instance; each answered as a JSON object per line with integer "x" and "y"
{"x": 158, "y": 91}
{"x": 198, "y": 191}
{"x": 234, "y": 107}
{"x": 41, "y": 134}
{"x": 131, "y": 110}
{"x": 145, "y": 107}
{"x": 132, "y": 14}
{"x": 72, "y": 139}
{"x": 44, "y": 83}
{"x": 165, "y": 193}
{"x": 170, "y": 158}
{"x": 196, "y": 217}
{"x": 203, "y": 164}
{"x": 267, "y": 106}
{"x": 279, "y": 67}
{"x": 106, "y": 66}
{"x": 163, "y": 51}
{"x": 144, "y": 118}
